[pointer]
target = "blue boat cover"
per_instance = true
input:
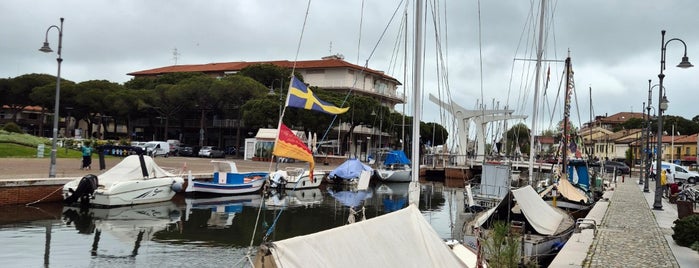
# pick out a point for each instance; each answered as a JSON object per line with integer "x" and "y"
{"x": 578, "y": 174}
{"x": 350, "y": 169}
{"x": 396, "y": 157}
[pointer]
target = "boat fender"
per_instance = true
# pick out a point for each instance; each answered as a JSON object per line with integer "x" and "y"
{"x": 176, "y": 186}
{"x": 86, "y": 188}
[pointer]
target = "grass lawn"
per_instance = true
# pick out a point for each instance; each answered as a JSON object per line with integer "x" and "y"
{"x": 21, "y": 151}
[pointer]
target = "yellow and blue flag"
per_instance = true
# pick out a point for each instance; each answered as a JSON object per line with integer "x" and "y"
{"x": 301, "y": 96}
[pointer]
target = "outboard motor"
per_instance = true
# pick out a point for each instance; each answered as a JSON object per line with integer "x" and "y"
{"x": 86, "y": 188}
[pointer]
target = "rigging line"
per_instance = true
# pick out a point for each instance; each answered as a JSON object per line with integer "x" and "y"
{"x": 523, "y": 38}
{"x": 361, "y": 23}
{"x": 384, "y": 31}
{"x": 480, "y": 48}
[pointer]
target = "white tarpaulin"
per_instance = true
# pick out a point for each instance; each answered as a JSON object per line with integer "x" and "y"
{"x": 399, "y": 239}
{"x": 540, "y": 215}
{"x": 130, "y": 169}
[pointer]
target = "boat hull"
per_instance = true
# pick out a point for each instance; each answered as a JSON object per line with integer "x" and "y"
{"x": 403, "y": 175}
{"x": 296, "y": 179}
{"x": 131, "y": 192}
{"x": 227, "y": 189}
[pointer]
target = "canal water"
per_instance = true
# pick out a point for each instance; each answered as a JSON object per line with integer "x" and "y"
{"x": 202, "y": 232}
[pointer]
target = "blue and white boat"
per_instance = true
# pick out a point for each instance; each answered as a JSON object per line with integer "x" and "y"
{"x": 395, "y": 167}
{"x": 349, "y": 172}
{"x": 227, "y": 181}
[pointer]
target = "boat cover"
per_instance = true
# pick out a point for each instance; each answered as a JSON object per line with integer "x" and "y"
{"x": 130, "y": 169}
{"x": 396, "y": 157}
{"x": 540, "y": 215}
{"x": 579, "y": 174}
{"x": 398, "y": 239}
{"x": 350, "y": 169}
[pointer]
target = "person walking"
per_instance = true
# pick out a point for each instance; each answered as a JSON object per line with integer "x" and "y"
{"x": 670, "y": 183}
{"x": 663, "y": 180}
{"x": 87, "y": 156}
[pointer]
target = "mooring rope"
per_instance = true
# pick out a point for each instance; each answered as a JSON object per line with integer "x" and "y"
{"x": 42, "y": 199}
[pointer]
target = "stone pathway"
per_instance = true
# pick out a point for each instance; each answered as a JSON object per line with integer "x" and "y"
{"x": 629, "y": 235}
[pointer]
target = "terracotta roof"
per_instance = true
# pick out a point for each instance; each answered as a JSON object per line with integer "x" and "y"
{"x": 687, "y": 139}
{"x": 619, "y": 118}
{"x": 237, "y": 66}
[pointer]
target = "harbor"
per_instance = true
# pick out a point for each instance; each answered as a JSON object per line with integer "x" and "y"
{"x": 620, "y": 220}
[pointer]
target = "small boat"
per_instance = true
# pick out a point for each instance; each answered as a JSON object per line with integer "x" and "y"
{"x": 349, "y": 172}
{"x": 395, "y": 167}
{"x": 227, "y": 181}
{"x": 295, "y": 178}
{"x": 135, "y": 180}
{"x": 544, "y": 228}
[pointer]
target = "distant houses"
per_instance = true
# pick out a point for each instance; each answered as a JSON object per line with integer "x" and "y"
{"x": 601, "y": 142}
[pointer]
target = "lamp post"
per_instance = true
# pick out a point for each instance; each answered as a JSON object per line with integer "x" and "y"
{"x": 641, "y": 147}
{"x": 45, "y": 48}
{"x": 648, "y": 161}
{"x": 662, "y": 106}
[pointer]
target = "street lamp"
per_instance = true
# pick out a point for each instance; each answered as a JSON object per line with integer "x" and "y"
{"x": 45, "y": 48}
{"x": 662, "y": 106}
{"x": 648, "y": 161}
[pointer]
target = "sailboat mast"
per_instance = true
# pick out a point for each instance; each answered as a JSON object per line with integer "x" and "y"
{"x": 566, "y": 115}
{"x": 539, "y": 55}
{"x": 417, "y": 109}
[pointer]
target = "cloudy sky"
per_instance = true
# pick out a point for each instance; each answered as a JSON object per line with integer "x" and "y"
{"x": 614, "y": 45}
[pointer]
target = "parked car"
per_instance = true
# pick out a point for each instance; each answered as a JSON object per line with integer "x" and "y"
{"x": 681, "y": 173}
{"x": 174, "y": 146}
{"x": 157, "y": 148}
{"x": 230, "y": 150}
{"x": 186, "y": 151}
{"x": 619, "y": 167}
{"x": 211, "y": 152}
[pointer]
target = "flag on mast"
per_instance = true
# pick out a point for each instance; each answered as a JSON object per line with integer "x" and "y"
{"x": 289, "y": 145}
{"x": 300, "y": 96}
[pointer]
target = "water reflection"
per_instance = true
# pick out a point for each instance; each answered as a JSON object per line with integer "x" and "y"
{"x": 202, "y": 229}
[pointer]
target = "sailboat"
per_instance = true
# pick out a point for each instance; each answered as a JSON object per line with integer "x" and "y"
{"x": 395, "y": 167}
{"x": 572, "y": 190}
{"x": 401, "y": 238}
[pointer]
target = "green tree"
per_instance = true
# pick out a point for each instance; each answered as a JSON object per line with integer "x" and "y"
{"x": 518, "y": 135}
{"x": 17, "y": 91}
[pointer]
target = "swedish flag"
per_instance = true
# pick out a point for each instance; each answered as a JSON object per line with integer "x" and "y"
{"x": 301, "y": 96}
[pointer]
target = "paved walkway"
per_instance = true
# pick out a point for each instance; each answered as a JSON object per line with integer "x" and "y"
{"x": 629, "y": 235}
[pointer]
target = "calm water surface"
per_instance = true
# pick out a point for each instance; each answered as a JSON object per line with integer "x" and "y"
{"x": 201, "y": 232}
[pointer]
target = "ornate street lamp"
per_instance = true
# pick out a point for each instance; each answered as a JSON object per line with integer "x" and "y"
{"x": 45, "y": 48}
{"x": 662, "y": 106}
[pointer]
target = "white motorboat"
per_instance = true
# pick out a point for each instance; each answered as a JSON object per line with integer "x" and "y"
{"x": 295, "y": 178}
{"x": 135, "y": 180}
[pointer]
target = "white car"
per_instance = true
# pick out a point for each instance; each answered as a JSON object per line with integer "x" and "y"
{"x": 682, "y": 174}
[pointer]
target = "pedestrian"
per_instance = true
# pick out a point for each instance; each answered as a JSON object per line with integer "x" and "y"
{"x": 87, "y": 156}
{"x": 663, "y": 180}
{"x": 670, "y": 183}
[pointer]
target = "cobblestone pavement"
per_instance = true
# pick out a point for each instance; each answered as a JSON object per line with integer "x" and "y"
{"x": 629, "y": 235}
